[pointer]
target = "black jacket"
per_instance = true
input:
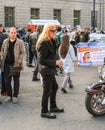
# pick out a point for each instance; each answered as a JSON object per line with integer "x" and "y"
{"x": 46, "y": 53}
{"x": 2, "y": 37}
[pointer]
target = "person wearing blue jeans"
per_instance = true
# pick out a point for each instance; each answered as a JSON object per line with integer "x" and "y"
{"x": 33, "y": 39}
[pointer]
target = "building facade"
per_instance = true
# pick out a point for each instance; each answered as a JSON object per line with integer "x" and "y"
{"x": 71, "y": 12}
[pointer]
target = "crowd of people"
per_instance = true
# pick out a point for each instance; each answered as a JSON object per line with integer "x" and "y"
{"x": 52, "y": 49}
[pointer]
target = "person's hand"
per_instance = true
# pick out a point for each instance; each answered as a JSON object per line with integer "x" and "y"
{"x": 58, "y": 63}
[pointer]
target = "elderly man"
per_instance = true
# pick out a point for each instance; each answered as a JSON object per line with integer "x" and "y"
{"x": 12, "y": 53}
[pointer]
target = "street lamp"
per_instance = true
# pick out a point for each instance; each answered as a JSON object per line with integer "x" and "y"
{"x": 94, "y": 15}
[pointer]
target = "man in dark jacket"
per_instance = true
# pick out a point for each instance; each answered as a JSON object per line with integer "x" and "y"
{"x": 29, "y": 51}
{"x": 85, "y": 35}
{"x": 2, "y": 37}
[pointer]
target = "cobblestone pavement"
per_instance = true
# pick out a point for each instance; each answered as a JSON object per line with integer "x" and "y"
{"x": 26, "y": 114}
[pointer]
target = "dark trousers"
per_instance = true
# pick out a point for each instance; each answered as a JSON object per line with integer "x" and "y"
{"x": 31, "y": 55}
{"x": 3, "y": 89}
{"x": 35, "y": 72}
{"x": 36, "y": 68}
{"x": 50, "y": 87}
{"x": 8, "y": 80}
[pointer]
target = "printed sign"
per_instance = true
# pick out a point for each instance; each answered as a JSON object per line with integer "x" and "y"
{"x": 91, "y": 53}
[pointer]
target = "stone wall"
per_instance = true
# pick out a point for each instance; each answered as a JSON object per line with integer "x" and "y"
{"x": 22, "y": 10}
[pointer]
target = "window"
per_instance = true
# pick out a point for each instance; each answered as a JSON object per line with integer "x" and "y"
{"x": 57, "y": 14}
{"x": 34, "y": 13}
{"x": 94, "y": 19}
{"x": 76, "y": 17}
{"x": 9, "y": 16}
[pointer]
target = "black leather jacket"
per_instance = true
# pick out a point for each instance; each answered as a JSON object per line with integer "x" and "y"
{"x": 46, "y": 53}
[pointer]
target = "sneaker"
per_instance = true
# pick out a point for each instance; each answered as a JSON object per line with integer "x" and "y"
{"x": 8, "y": 99}
{"x": 15, "y": 100}
{"x": 63, "y": 90}
{"x": 48, "y": 115}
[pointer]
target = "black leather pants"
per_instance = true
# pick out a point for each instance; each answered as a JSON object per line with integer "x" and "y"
{"x": 50, "y": 87}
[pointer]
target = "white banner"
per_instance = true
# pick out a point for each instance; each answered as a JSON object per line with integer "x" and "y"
{"x": 91, "y": 53}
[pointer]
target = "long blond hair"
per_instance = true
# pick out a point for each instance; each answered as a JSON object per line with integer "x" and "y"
{"x": 44, "y": 36}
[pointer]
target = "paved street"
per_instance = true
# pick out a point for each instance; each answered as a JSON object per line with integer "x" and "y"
{"x": 26, "y": 114}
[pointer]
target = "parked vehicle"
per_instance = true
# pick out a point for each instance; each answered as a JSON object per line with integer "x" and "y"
{"x": 95, "y": 97}
{"x": 97, "y": 37}
{"x": 35, "y": 22}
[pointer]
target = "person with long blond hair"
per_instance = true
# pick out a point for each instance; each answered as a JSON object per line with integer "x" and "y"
{"x": 46, "y": 52}
{"x": 67, "y": 56}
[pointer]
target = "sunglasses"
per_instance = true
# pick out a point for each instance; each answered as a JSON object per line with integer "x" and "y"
{"x": 53, "y": 31}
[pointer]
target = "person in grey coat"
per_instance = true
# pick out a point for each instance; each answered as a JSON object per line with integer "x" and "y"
{"x": 67, "y": 56}
{"x": 33, "y": 39}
